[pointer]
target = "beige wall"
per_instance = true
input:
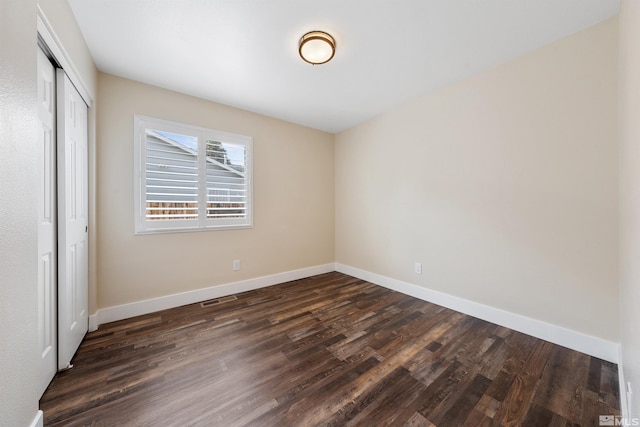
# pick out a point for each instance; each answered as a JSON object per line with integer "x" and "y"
{"x": 293, "y": 200}
{"x": 18, "y": 214}
{"x": 503, "y": 186}
{"x": 630, "y": 196}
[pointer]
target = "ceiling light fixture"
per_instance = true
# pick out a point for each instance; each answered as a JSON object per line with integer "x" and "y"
{"x": 317, "y": 47}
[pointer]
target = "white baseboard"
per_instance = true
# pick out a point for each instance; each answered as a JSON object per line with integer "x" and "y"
{"x": 38, "y": 421}
{"x": 594, "y": 346}
{"x": 125, "y": 311}
{"x": 93, "y": 322}
{"x": 625, "y": 410}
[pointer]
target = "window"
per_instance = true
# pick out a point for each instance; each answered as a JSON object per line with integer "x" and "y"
{"x": 190, "y": 178}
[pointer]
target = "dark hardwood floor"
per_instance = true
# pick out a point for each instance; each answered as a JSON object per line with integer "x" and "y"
{"x": 328, "y": 350}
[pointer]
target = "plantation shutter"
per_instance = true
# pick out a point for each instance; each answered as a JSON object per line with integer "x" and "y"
{"x": 171, "y": 175}
{"x": 226, "y": 180}
{"x": 191, "y": 178}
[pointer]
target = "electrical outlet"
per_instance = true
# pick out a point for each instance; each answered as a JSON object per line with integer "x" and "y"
{"x": 417, "y": 268}
{"x": 236, "y": 264}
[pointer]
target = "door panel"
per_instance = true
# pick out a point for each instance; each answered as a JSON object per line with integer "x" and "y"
{"x": 72, "y": 220}
{"x": 47, "y": 224}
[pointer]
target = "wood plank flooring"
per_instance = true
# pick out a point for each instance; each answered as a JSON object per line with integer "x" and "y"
{"x": 329, "y": 350}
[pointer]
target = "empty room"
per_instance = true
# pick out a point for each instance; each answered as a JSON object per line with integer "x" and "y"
{"x": 297, "y": 213}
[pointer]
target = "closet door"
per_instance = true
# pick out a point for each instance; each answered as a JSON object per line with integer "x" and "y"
{"x": 47, "y": 224}
{"x": 73, "y": 279}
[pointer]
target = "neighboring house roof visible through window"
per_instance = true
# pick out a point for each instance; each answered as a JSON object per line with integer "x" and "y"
{"x": 190, "y": 145}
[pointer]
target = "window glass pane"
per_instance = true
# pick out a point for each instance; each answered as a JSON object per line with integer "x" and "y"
{"x": 171, "y": 173}
{"x": 226, "y": 180}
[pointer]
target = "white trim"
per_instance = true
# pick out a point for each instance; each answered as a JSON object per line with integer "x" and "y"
{"x": 93, "y": 322}
{"x": 625, "y": 397}
{"x": 594, "y": 346}
{"x": 64, "y": 59}
{"x": 575, "y": 340}
{"x": 38, "y": 421}
{"x": 125, "y": 311}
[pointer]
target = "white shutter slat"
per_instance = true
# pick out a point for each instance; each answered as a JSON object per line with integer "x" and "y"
{"x": 169, "y": 196}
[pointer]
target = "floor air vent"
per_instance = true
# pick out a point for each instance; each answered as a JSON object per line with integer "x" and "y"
{"x": 218, "y": 301}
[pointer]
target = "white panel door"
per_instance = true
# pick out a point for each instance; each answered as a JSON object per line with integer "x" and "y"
{"x": 47, "y": 223}
{"x": 73, "y": 279}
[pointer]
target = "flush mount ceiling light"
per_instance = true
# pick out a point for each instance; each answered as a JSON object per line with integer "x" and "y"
{"x": 317, "y": 47}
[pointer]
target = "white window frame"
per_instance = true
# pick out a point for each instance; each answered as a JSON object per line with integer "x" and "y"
{"x": 202, "y": 223}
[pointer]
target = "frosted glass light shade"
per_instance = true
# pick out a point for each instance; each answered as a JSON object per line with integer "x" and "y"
{"x": 317, "y": 47}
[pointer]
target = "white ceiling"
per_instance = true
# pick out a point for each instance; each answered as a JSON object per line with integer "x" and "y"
{"x": 244, "y": 53}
